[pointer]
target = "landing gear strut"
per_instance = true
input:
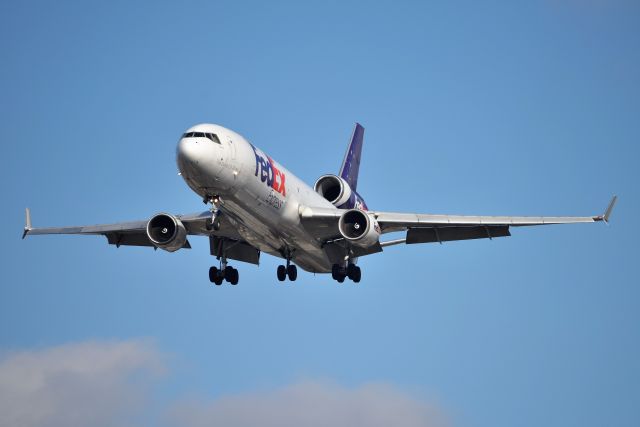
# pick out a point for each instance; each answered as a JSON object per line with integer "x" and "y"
{"x": 290, "y": 270}
{"x": 352, "y": 271}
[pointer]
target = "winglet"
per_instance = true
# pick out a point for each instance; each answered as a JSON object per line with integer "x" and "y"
{"x": 605, "y": 217}
{"x": 607, "y": 213}
{"x": 27, "y": 225}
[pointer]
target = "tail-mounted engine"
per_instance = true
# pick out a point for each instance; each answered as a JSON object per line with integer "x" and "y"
{"x": 359, "y": 228}
{"x": 166, "y": 232}
{"x": 334, "y": 189}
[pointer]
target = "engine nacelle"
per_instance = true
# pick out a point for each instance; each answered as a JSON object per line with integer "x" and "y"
{"x": 359, "y": 228}
{"x": 166, "y": 232}
{"x": 334, "y": 189}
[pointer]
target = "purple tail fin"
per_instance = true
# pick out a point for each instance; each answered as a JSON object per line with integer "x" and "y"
{"x": 351, "y": 162}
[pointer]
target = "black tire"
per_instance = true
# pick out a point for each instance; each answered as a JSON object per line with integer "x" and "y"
{"x": 213, "y": 274}
{"x": 228, "y": 271}
{"x": 292, "y": 272}
{"x": 218, "y": 281}
{"x": 235, "y": 277}
{"x": 282, "y": 273}
{"x": 340, "y": 279}
{"x": 208, "y": 224}
{"x": 216, "y": 224}
{"x": 335, "y": 271}
{"x": 351, "y": 271}
{"x": 357, "y": 275}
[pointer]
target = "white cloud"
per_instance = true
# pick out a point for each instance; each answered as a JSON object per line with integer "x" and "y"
{"x": 92, "y": 383}
{"x": 311, "y": 404}
{"x": 108, "y": 384}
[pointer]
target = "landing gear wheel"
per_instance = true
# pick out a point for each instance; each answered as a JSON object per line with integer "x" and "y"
{"x": 351, "y": 271}
{"x": 282, "y": 273}
{"x": 292, "y": 272}
{"x": 340, "y": 279}
{"x": 357, "y": 275}
{"x": 235, "y": 277}
{"x": 213, "y": 274}
{"x": 335, "y": 271}
{"x": 231, "y": 275}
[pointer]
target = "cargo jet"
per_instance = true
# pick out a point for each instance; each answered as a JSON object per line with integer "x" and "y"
{"x": 256, "y": 205}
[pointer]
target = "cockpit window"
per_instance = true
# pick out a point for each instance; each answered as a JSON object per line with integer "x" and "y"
{"x": 212, "y": 136}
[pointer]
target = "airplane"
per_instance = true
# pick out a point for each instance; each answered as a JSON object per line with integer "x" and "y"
{"x": 257, "y": 205}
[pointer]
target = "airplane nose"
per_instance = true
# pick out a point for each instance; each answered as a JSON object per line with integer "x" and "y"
{"x": 190, "y": 156}
{"x": 187, "y": 151}
{"x": 196, "y": 158}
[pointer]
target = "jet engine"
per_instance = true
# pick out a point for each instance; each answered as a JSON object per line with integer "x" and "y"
{"x": 166, "y": 232}
{"x": 334, "y": 189}
{"x": 359, "y": 228}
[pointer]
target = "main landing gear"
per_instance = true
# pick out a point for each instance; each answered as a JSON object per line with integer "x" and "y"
{"x": 225, "y": 272}
{"x": 218, "y": 275}
{"x": 290, "y": 270}
{"x": 352, "y": 271}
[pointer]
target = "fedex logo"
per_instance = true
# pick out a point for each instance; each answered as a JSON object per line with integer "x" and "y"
{"x": 268, "y": 172}
{"x": 359, "y": 204}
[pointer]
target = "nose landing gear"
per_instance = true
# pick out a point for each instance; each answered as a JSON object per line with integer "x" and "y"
{"x": 213, "y": 223}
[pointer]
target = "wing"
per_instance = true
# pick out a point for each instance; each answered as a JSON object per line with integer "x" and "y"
{"x": 134, "y": 233}
{"x": 425, "y": 228}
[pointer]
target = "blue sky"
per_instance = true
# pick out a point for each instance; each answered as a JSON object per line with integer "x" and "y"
{"x": 511, "y": 108}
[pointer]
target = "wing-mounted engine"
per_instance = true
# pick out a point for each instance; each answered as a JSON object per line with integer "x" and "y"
{"x": 167, "y": 232}
{"x": 334, "y": 189}
{"x": 358, "y": 227}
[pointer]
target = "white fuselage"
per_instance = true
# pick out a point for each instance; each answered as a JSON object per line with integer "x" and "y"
{"x": 259, "y": 196}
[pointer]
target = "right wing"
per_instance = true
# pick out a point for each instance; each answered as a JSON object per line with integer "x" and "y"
{"x": 131, "y": 233}
{"x": 134, "y": 233}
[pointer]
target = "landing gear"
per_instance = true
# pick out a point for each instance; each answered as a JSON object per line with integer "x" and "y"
{"x": 352, "y": 271}
{"x": 218, "y": 275}
{"x": 290, "y": 270}
{"x": 225, "y": 272}
{"x": 213, "y": 223}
